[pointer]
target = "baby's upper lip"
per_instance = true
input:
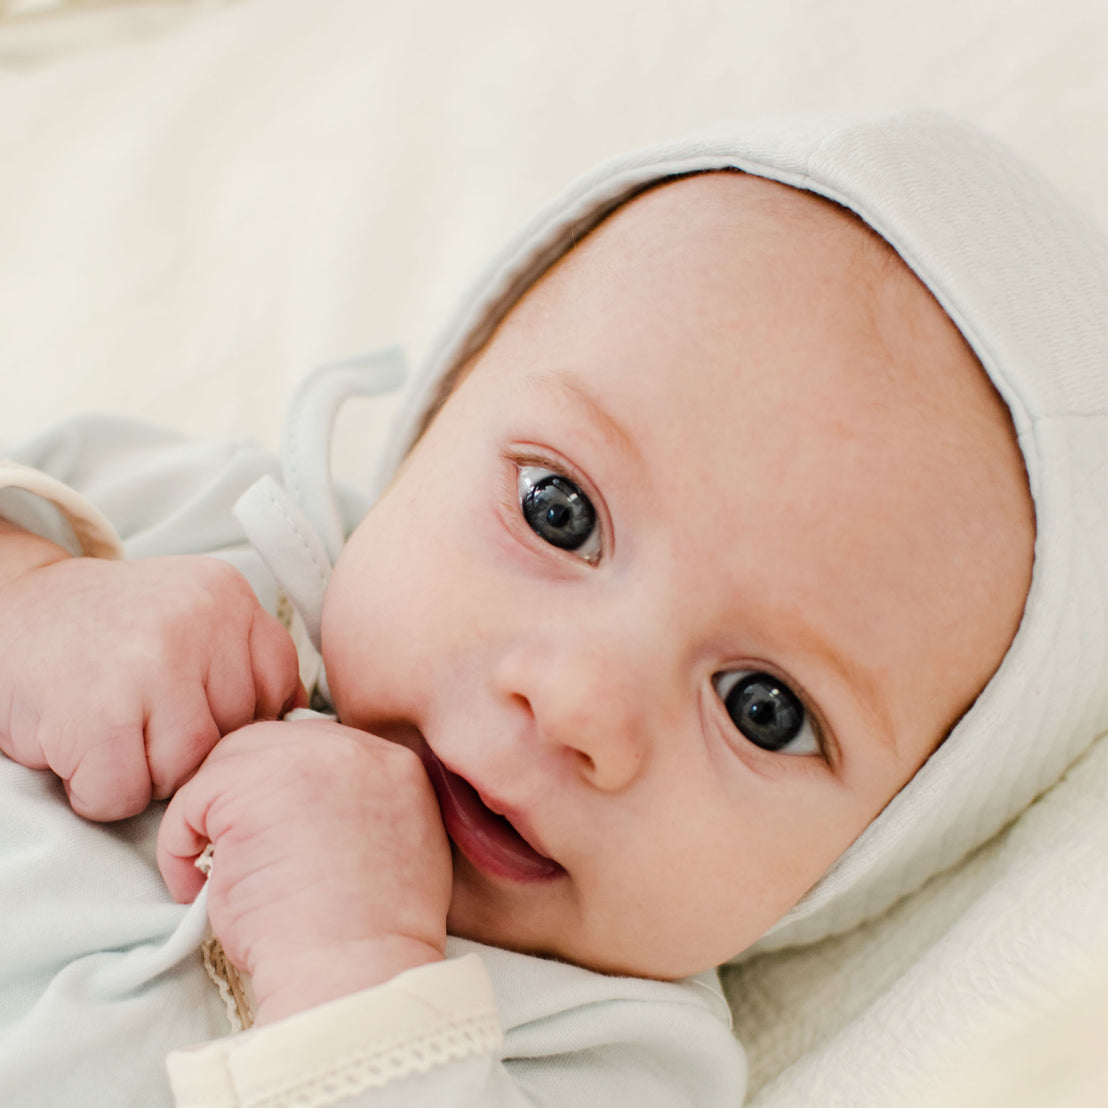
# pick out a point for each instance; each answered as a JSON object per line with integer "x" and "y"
{"x": 515, "y": 816}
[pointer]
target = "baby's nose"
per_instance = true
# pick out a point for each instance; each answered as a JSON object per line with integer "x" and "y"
{"x": 586, "y": 700}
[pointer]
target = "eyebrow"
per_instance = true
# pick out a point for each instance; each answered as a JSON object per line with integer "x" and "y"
{"x": 862, "y": 688}
{"x": 566, "y": 386}
{"x": 867, "y": 694}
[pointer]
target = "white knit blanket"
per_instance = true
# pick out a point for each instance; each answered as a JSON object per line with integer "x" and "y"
{"x": 884, "y": 1014}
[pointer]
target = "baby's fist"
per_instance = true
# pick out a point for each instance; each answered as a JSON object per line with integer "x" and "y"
{"x": 331, "y": 869}
{"x": 120, "y": 677}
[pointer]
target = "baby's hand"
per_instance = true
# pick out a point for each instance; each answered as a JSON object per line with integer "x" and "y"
{"x": 121, "y": 676}
{"x": 331, "y": 869}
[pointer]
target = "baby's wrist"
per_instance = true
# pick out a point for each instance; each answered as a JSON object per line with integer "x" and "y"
{"x": 287, "y": 983}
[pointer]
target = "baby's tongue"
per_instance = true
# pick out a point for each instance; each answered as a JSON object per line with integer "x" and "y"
{"x": 488, "y": 840}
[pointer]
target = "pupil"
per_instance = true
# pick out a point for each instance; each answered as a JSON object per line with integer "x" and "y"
{"x": 762, "y": 711}
{"x": 557, "y": 515}
{"x": 765, "y": 710}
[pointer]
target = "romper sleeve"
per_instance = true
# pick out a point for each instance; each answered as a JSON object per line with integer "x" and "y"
{"x": 104, "y": 486}
{"x": 46, "y": 506}
{"x": 158, "y": 491}
{"x": 484, "y": 1029}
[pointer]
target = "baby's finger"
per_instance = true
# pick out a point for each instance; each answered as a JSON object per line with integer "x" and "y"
{"x": 111, "y": 780}
{"x": 275, "y": 665}
{"x": 230, "y": 685}
{"x": 180, "y": 733}
{"x": 180, "y": 843}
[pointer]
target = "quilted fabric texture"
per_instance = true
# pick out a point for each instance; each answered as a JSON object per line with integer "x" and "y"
{"x": 1025, "y": 278}
{"x": 883, "y": 1014}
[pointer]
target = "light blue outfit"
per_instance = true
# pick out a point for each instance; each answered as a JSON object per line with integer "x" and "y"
{"x": 100, "y": 973}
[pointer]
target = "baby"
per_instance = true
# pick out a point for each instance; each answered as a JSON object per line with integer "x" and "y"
{"x": 712, "y": 530}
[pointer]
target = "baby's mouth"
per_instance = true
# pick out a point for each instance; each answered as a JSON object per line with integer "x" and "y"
{"x": 487, "y": 839}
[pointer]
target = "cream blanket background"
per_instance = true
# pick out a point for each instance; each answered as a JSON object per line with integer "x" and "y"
{"x": 200, "y": 200}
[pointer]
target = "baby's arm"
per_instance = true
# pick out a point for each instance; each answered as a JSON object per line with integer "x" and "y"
{"x": 330, "y": 885}
{"x": 121, "y": 676}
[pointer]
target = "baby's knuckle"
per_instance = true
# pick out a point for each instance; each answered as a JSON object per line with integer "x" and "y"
{"x": 223, "y": 581}
{"x": 233, "y": 699}
{"x": 274, "y": 649}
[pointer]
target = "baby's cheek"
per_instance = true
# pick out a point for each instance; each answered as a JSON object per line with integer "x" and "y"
{"x": 342, "y": 647}
{"x": 696, "y": 892}
{"x": 370, "y": 630}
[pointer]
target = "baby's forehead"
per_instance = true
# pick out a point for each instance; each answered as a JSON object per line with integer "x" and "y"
{"x": 738, "y": 227}
{"x": 715, "y": 282}
{"x": 753, "y": 286}
{"x": 725, "y": 251}
{"x": 662, "y": 241}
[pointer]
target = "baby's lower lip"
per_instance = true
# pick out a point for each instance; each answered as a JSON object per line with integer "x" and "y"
{"x": 488, "y": 840}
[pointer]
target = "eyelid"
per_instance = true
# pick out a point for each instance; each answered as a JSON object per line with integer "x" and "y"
{"x": 522, "y": 455}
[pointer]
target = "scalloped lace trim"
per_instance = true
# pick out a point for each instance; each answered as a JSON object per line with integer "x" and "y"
{"x": 463, "y": 1037}
{"x": 232, "y": 989}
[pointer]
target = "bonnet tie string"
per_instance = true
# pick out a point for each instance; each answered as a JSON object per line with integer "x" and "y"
{"x": 297, "y": 530}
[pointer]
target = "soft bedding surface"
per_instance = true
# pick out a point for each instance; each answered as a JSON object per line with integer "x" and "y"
{"x": 201, "y": 199}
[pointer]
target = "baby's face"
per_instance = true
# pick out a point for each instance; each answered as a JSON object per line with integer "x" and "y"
{"x": 715, "y": 540}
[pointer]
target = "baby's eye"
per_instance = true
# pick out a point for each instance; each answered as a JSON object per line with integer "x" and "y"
{"x": 767, "y": 712}
{"x": 558, "y": 511}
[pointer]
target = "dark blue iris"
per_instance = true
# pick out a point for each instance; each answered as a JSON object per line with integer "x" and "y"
{"x": 559, "y": 512}
{"x": 765, "y": 710}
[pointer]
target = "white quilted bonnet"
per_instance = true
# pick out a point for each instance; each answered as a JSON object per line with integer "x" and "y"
{"x": 1026, "y": 279}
